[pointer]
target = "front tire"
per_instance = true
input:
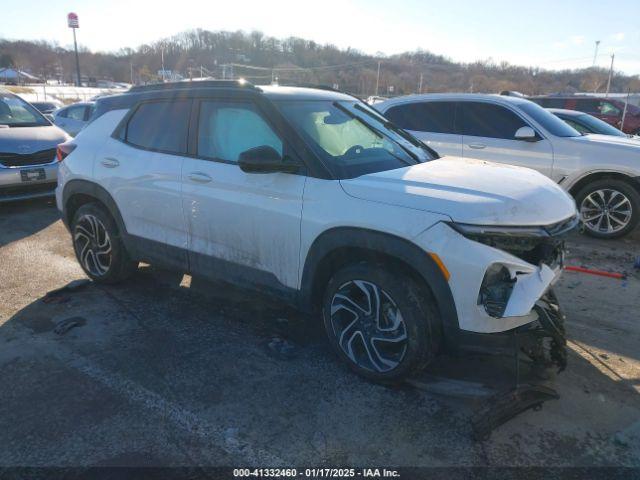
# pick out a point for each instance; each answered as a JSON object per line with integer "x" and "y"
{"x": 609, "y": 208}
{"x": 98, "y": 245}
{"x": 380, "y": 322}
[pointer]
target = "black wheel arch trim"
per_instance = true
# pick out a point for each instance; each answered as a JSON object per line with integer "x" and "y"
{"x": 388, "y": 245}
{"x": 91, "y": 189}
{"x": 593, "y": 176}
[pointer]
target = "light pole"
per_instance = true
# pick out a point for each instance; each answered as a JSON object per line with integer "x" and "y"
{"x": 378, "y": 77}
{"x": 595, "y": 54}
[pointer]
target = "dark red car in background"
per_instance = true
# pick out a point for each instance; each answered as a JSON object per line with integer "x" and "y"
{"x": 606, "y": 109}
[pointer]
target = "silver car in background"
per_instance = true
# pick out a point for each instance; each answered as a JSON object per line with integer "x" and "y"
{"x": 28, "y": 141}
{"x": 73, "y": 118}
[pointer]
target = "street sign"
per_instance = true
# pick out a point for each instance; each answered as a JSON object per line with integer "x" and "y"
{"x": 72, "y": 20}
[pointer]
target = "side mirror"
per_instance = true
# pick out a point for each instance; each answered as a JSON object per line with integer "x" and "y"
{"x": 526, "y": 134}
{"x": 49, "y": 117}
{"x": 264, "y": 159}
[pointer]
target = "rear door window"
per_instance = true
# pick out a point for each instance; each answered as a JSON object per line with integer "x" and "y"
{"x": 434, "y": 117}
{"x": 489, "y": 120}
{"x": 160, "y": 126}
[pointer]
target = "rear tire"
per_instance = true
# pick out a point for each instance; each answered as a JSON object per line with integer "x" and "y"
{"x": 609, "y": 208}
{"x": 381, "y": 322}
{"x": 98, "y": 245}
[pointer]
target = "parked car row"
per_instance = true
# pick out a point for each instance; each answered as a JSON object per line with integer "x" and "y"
{"x": 410, "y": 228}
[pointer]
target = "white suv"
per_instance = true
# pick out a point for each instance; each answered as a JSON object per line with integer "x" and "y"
{"x": 313, "y": 196}
{"x": 601, "y": 172}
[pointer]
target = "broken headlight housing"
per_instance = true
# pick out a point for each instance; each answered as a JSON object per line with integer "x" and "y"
{"x": 535, "y": 245}
{"x": 495, "y": 290}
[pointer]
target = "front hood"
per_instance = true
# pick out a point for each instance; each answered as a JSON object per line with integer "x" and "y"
{"x": 25, "y": 140}
{"x": 630, "y": 144}
{"x": 468, "y": 191}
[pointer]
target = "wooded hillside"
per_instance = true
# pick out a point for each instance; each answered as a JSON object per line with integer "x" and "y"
{"x": 259, "y": 58}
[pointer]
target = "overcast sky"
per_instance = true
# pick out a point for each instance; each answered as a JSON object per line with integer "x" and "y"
{"x": 551, "y": 34}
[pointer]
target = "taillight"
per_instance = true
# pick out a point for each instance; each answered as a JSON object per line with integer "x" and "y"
{"x": 64, "y": 149}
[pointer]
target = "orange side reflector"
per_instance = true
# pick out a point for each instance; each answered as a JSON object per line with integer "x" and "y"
{"x": 441, "y": 266}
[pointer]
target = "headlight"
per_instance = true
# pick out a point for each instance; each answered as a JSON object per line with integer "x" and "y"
{"x": 503, "y": 238}
{"x": 495, "y": 290}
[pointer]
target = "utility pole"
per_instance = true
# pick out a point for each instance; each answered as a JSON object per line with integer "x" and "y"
{"x": 624, "y": 112}
{"x": 162, "y": 61}
{"x": 131, "y": 70}
{"x": 420, "y": 84}
{"x": 595, "y": 54}
{"x": 610, "y": 75}
{"x": 378, "y": 77}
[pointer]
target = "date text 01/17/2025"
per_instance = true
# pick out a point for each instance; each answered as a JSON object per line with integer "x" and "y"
{"x": 315, "y": 473}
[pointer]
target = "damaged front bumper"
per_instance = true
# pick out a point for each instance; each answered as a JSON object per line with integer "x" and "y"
{"x": 496, "y": 277}
{"x": 543, "y": 344}
{"x": 542, "y": 341}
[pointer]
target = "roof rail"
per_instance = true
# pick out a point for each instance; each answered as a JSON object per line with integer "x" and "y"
{"x": 186, "y": 84}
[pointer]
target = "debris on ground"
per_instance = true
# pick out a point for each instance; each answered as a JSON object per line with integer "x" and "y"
{"x": 503, "y": 407}
{"x": 68, "y": 323}
{"x": 281, "y": 348}
{"x": 450, "y": 387}
{"x": 59, "y": 295}
{"x": 628, "y": 436}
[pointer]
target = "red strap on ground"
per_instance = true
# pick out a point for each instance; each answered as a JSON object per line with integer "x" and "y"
{"x": 620, "y": 276}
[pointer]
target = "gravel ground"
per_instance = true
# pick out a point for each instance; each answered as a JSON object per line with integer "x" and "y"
{"x": 171, "y": 370}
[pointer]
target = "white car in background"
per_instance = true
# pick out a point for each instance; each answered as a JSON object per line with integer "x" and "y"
{"x": 73, "y": 118}
{"x": 601, "y": 172}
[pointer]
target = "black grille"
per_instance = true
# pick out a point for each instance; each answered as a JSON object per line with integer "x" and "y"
{"x": 36, "y": 158}
{"x": 27, "y": 189}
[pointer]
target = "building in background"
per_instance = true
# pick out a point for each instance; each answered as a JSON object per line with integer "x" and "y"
{"x": 13, "y": 76}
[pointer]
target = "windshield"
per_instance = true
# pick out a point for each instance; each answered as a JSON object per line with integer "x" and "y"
{"x": 15, "y": 112}
{"x": 599, "y": 126}
{"x": 548, "y": 120}
{"x": 350, "y": 139}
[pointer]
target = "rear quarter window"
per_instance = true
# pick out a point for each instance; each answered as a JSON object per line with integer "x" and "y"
{"x": 160, "y": 126}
